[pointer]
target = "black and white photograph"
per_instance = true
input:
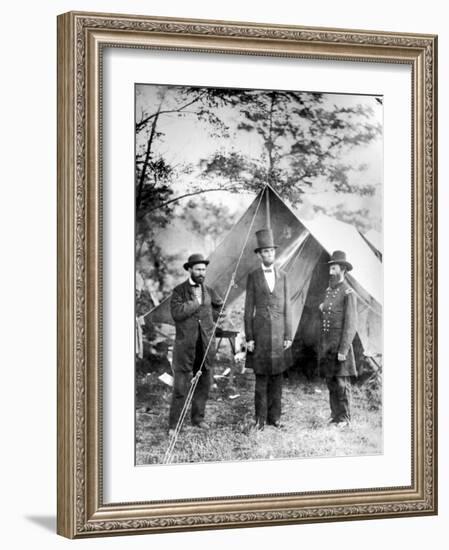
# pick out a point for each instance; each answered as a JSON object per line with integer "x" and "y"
{"x": 258, "y": 274}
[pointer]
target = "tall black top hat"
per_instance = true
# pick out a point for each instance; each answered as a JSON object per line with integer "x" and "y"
{"x": 339, "y": 257}
{"x": 195, "y": 259}
{"x": 264, "y": 239}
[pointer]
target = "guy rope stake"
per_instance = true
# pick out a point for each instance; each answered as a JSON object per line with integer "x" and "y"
{"x": 173, "y": 438}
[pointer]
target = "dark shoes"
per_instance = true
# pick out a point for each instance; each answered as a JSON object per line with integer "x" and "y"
{"x": 202, "y": 425}
{"x": 261, "y": 425}
{"x": 276, "y": 424}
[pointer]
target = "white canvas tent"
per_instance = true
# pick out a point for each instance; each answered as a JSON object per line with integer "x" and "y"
{"x": 303, "y": 250}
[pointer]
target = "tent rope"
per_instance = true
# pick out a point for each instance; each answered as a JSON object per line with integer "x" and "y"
{"x": 174, "y": 437}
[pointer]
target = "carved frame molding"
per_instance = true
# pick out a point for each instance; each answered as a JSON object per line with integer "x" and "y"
{"x": 81, "y": 37}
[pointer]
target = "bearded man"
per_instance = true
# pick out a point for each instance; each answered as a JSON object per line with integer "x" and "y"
{"x": 338, "y": 328}
{"x": 194, "y": 307}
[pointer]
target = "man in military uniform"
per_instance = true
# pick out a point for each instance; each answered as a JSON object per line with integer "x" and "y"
{"x": 194, "y": 308}
{"x": 338, "y": 328}
{"x": 268, "y": 330}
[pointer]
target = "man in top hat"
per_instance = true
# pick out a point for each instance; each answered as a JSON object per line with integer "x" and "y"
{"x": 194, "y": 307}
{"x": 268, "y": 330}
{"x": 338, "y": 328}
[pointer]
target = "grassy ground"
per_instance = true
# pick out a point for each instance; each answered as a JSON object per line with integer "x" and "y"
{"x": 231, "y": 436}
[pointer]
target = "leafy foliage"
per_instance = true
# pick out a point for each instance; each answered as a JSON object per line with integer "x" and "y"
{"x": 303, "y": 140}
{"x": 207, "y": 219}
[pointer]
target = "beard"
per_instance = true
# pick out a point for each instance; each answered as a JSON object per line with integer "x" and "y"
{"x": 334, "y": 279}
{"x": 198, "y": 279}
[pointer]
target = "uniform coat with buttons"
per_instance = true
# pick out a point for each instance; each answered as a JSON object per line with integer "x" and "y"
{"x": 190, "y": 318}
{"x": 267, "y": 321}
{"x": 338, "y": 328}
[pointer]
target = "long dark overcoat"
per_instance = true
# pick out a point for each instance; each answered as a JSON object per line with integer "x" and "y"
{"x": 338, "y": 328}
{"x": 268, "y": 322}
{"x": 190, "y": 317}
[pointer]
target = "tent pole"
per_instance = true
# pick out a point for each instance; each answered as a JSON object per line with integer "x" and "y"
{"x": 267, "y": 208}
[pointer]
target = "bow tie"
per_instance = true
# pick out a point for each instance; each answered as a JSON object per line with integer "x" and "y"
{"x": 196, "y": 285}
{"x": 268, "y": 270}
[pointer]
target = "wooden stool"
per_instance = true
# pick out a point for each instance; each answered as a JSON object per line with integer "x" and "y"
{"x": 230, "y": 336}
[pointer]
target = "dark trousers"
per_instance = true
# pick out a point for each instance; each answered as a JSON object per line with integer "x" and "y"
{"x": 181, "y": 386}
{"x": 267, "y": 398}
{"x": 339, "y": 397}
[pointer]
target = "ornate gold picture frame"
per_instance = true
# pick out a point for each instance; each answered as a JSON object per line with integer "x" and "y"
{"x": 82, "y": 508}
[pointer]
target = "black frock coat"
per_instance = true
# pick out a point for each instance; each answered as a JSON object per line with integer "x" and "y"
{"x": 268, "y": 322}
{"x": 192, "y": 318}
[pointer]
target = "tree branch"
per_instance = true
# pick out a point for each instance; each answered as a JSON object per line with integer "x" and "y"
{"x": 191, "y": 194}
{"x": 146, "y": 161}
{"x": 140, "y": 125}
